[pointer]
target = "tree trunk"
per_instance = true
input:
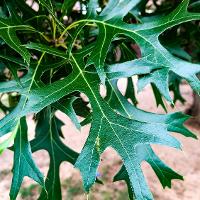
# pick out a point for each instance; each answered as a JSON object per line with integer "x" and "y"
{"x": 196, "y": 108}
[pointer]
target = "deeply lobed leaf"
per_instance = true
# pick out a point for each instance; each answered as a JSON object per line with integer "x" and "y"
{"x": 55, "y": 79}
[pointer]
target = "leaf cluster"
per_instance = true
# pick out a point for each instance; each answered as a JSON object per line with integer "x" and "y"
{"x": 53, "y": 52}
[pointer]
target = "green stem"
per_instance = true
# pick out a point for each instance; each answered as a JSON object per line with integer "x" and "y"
{"x": 73, "y": 25}
{"x": 54, "y": 29}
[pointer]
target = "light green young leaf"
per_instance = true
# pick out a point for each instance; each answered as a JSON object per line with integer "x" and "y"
{"x": 6, "y": 143}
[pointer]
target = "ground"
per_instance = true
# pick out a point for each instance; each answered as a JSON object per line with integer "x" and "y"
{"x": 186, "y": 162}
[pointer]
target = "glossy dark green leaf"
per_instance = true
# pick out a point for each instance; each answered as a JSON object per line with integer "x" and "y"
{"x": 147, "y": 37}
{"x": 123, "y": 132}
{"x": 23, "y": 162}
{"x": 69, "y": 63}
{"x": 8, "y": 28}
{"x": 67, "y": 108}
{"x": 48, "y": 138}
{"x": 145, "y": 152}
{"x": 67, "y": 6}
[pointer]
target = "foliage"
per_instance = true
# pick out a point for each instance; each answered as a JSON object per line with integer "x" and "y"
{"x": 53, "y": 54}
